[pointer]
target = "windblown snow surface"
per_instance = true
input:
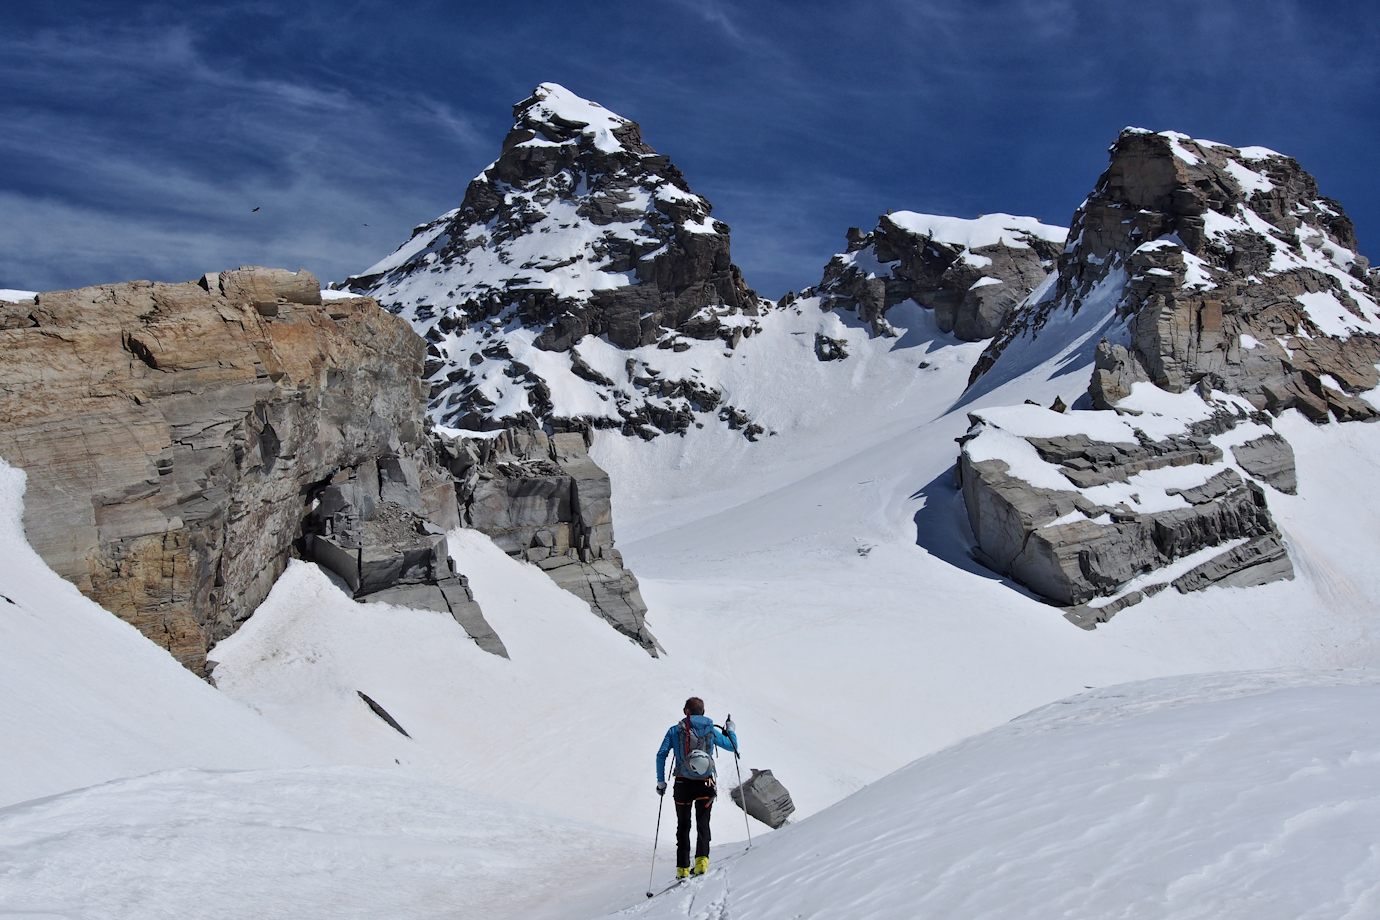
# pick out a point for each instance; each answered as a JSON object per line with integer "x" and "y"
{"x": 817, "y": 586}
{"x": 1248, "y": 795}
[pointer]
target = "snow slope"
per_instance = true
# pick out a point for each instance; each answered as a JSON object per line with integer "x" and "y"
{"x": 323, "y": 842}
{"x": 1250, "y": 796}
{"x": 767, "y": 609}
{"x": 88, "y": 699}
{"x": 131, "y": 789}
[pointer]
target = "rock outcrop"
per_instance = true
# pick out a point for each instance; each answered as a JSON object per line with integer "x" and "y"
{"x": 542, "y": 499}
{"x": 174, "y": 434}
{"x": 365, "y": 526}
{"x": 971, "y": 273}
{"x": 1218, "y": 265}
{"x": 1093, "y": 510}
{"x": 578, "y": 232}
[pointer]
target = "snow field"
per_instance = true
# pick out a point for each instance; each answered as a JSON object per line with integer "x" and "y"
{"x": 1225, "y": 796}
{"x": 787, "y": 585}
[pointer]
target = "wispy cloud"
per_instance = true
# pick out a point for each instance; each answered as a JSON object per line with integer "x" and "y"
{"x": 150, "y": 151}
{"x": 716, "y": 15}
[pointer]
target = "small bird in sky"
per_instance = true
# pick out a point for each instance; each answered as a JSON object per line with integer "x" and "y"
{"x": 254, "y": 211}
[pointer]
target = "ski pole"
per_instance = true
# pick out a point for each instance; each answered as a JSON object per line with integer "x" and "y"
{"x": 742, "y": 793}
{"x": 661, "y": 801}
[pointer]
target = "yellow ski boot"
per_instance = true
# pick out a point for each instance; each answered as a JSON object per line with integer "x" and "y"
{"x": 682, "y": 872}
{"x": 701, "y": 865}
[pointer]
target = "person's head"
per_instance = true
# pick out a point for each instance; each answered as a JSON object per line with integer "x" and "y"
{"x": 694, "y": 706}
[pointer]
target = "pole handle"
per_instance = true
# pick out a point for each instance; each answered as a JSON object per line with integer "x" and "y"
{"x": 727, "y": 719}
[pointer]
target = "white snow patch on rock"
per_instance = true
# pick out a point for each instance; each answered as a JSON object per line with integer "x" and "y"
{"x": 987, "y": 230}
{"x": 1249, "y": 180}
{"x": 557, "y": 102}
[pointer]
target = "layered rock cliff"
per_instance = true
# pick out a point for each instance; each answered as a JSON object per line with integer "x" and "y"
{"x": 971, "y": 273}
{"x": 579, "y": 237}
{"x": 1094, "y": 510}
{"x": 174, "y": 434}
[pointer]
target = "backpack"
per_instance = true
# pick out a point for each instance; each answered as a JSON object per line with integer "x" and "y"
{"x": 696, "y": 754}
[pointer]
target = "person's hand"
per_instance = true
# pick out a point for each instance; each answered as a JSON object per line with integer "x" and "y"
{"x": 728, "y": 726}
{"x": 660, "y": 788}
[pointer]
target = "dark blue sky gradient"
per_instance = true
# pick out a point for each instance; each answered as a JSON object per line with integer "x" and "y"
{"x": 135, "y": 139}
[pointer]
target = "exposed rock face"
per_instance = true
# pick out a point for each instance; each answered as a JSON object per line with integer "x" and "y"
{"x": 173, "y": 434}
{"x": 1091, "y": 511}
{"x": 1270, "y": 459}
{"x": 579, "y": 229}
{"x": 542, "y": 499}
{"x": 365, "y": 527}
{"x": 1218, "y": 265}
{"x": 971, "y": 273}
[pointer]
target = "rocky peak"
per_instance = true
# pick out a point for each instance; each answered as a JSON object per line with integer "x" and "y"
{"x": 971, "y": 273}
{"x": 1209, "y": 286}
{"x": 1217, "y": 264}
{"x": 579, "y": 229}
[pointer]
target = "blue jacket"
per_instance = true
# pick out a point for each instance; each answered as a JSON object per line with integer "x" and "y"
{"x": 674, "y": 742}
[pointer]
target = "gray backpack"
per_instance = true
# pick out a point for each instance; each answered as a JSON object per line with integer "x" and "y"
{"x": 695, "y": 759}
{"x": 763, "y": 797}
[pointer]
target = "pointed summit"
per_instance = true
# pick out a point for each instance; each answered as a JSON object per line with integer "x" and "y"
{"x": 560, "y": 116}
{"x": 579, "y": 229}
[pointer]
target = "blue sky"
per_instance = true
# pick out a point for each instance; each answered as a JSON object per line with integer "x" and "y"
{"x": 136, "y": 139}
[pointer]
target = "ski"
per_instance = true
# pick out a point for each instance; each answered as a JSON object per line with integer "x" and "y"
{"x": 676, "y": 884}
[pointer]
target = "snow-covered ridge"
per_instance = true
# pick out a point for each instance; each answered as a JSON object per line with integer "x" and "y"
{"x": 1176, "y": 137}
{"x": 976, "y": 233}
{"x": 1193, "y": 272}
{"x": 970, "y": 272}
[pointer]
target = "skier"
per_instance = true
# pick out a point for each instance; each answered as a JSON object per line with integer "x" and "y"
{"x": 693, "y": 740}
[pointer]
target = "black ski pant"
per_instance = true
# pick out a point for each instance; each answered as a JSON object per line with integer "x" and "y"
{"x": 697, "y": 795}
